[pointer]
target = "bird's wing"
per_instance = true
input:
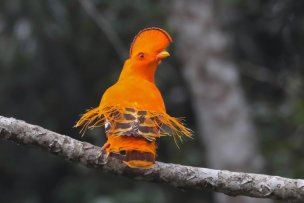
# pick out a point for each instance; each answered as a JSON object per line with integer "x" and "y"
{"x": 133, "y": 122}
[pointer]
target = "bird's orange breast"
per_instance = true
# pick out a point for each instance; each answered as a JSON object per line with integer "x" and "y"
{"x": 134, "y": 93}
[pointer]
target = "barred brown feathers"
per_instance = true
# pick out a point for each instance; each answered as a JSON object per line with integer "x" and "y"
{"x": 134, "y": 123}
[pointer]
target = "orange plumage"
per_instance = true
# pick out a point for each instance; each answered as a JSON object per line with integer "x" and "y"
{"x": 133, "y": 110}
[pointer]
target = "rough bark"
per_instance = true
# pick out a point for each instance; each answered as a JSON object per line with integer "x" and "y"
{"x": 184, "y": 177}
{"x": 223, "y": 117}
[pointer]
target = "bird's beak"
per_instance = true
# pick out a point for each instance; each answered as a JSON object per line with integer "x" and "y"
{"x": 162, "y": 55}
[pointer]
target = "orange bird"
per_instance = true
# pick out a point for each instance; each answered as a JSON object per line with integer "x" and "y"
{"x": 133, "y": 110}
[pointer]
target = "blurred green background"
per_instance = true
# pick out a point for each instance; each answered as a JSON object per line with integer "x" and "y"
{"x": 56, "y": 61}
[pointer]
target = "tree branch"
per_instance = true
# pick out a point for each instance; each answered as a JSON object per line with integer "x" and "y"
{"x": 185, "y": 177}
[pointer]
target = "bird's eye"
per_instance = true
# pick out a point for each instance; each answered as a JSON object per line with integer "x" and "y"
{"x": 141, "y": 55}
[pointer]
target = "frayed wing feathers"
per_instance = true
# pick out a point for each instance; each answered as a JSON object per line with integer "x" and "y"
{"x": 127, "y": 121}
{"x": 176, "y": 126}
{"x": 94, "y": 118}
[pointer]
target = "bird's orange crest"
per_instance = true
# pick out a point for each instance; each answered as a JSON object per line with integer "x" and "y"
{"x": 142, "y": 41}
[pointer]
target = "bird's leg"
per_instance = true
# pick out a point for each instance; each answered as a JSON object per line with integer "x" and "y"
{"x": 105, "y": 149}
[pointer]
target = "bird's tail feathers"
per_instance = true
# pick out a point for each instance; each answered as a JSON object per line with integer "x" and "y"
{"x": 136, "y": 152}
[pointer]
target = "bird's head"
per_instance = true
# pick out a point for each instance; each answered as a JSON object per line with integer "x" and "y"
{"x": 146, "y": 52}
{"x": 149, "y": 46}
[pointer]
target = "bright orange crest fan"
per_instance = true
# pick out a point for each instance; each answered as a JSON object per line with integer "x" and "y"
{"x": 132, "y": 110}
